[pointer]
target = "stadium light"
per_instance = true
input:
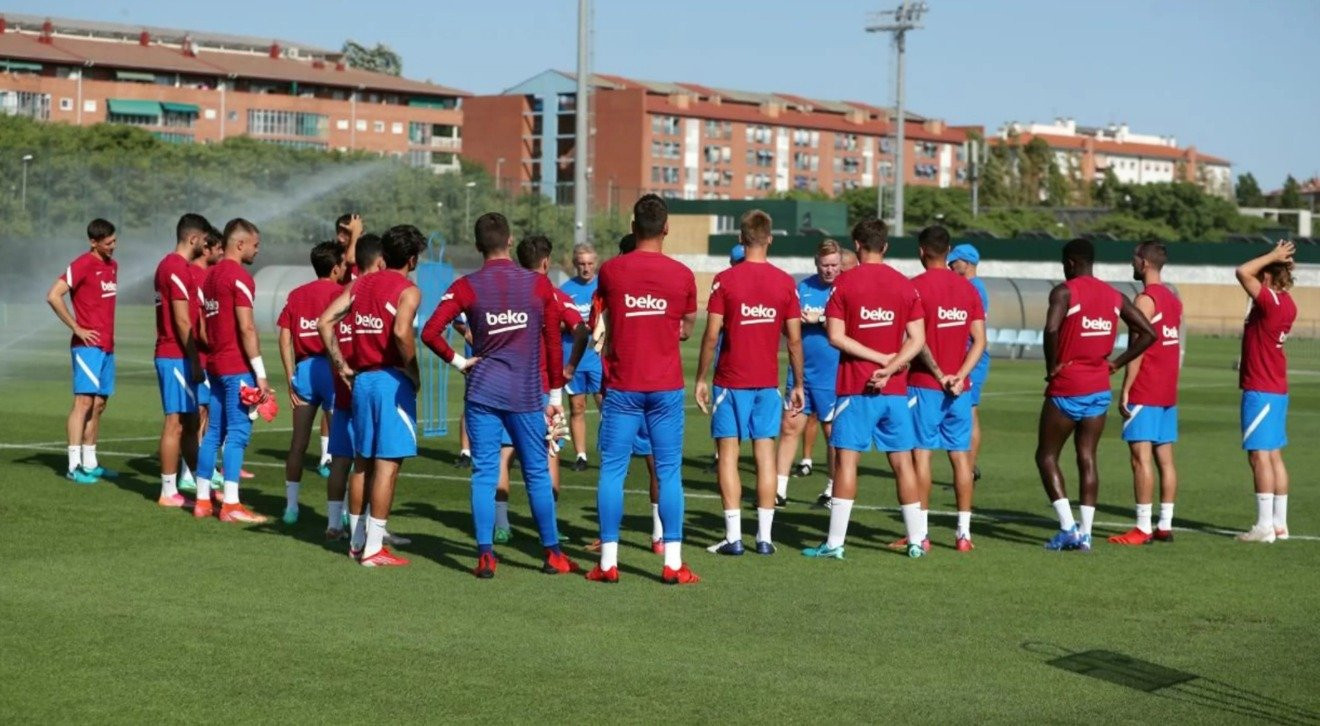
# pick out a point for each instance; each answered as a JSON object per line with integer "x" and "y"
{"x": 898, "y": 21}
{"x": 27, "y": 159}
{"x": 581, "y": 128}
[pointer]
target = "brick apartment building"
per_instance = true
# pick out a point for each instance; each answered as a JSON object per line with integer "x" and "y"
{"x": 1134, "y": 158}
{"x": 690, "y": 141}
{"x": 197, "y": 87}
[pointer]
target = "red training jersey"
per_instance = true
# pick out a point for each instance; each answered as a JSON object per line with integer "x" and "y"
{"x": 93, "y": 287}
{"x": 1086, "y": 338}
{"x": 228, "y": 287}
{"x": 1264, "y": 365}
{"x": 301, "y": 311}
{"x": 952, "y": 304}
{"x": 174, "y": 282}
{"x": 755, "y": 298}
{"x": 371, "y": 311}
{"x": 645, "y": 296}
{"x": 343, "y": 394}
{"x": 198, "y": 282}
{"x": 876, "y": 303}
{"x": 1156, "y": 383}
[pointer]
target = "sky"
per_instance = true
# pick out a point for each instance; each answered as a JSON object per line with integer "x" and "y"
{"x": 1234, "y": 79}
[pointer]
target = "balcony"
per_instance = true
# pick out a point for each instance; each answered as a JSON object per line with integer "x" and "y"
{"x": 447, "y": 143}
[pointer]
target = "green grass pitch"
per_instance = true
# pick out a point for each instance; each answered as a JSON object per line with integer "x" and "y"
{"x": 117, "y": 611}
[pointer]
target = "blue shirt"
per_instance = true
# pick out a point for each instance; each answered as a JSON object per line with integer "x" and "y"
{"x": 820, "y": 360}
{"x": 581, "y": 294}
{"x": 985, "y": 305}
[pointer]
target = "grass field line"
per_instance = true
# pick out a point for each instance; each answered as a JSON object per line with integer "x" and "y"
{"x": 1115, "y": 526}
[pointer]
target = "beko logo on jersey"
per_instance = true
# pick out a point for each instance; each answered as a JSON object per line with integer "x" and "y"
{"x": 876, "y": 317}
{"x": 950, "y": 317}
{"x": 1170, "y": 333}
{"x": 812, "y": 311}
{"x": 503, "y": 322}
{"x": 306, "y": 323}
{"x": 644, "y": 305}
{"x": 753, "y": 314}
{"x": 368, "y": 323}
{"x": 1101, "y": 324}
{"x": 212, "y": 308}
{"x": 108, "y": 288}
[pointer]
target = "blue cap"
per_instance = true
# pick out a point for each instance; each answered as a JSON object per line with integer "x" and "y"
{"x": 737, "y": 254}
{"x": 966, "y": 253}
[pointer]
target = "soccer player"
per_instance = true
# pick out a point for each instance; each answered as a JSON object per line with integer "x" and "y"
{"x": 383, "y": 369}
{"x": 938, "y": 381}
{"x": 1149, "y": 400}
{"x": 1263, "y": 378}
{"x": 752, "y": 304}
{"x": 234, "y": 362}
{"x": 212, "y": 251}
{"x": 649, "y": 301}
{"x": 514, "y": 317}
{"x": 179, "y": 369}
{"x": 1080, "y": 329}
{"x": 820, "y": 364}
{"x": 963, "y": 260}
{"x": 306, "y": 367}
{"x": 92, "y": 283}
{"x": 586, "y": 377}
{"x": 875, "y": 318}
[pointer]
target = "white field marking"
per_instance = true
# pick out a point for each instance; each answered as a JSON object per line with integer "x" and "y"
{"x": 1115, "y": 526}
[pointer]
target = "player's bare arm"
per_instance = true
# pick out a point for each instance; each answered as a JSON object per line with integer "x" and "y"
{"x": 1146, "y": 305}
{"x": 1140, "y": 333}
{"x": 912, "y": 346}
{"x": 797, "y": 398}
{"x": 581, "y": 337}
{"x": 56, "y": 300}
{"x": 404, "y": 339}
{"x": 325, "y": 327}
{"x": 251, "y": 343}
{"x": 714, "y": 324}
{"x": 287, "y": 360}
{"x": 1060, "y": 299}
{"x": 1248, "y": 273}
{"x": 184, "y": 333}
{"x": 836, "y": 329}
{"x": 955, "y": 383}
{"x": 433, "y": 333}
{"x": 686, "y": 327}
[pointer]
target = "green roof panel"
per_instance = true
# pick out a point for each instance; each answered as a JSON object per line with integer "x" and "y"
{"x": 134, "y": 107}
{"x": 186, "y": 108}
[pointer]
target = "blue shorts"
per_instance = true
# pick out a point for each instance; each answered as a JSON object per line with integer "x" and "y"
{"x": 1156, "y": 424}
{"x": 977, "y": 379}
{"x": 177, "y": 393}
{"x": 314, "y": 382}
{"x": 746, "y": 413}
{"x": 341, "y": 434}
{"x": 93, "y": 371}
{"x": 583, "y": 382}
{"x": 1080, "y": 407}
{"x": 1264, "y": 421}
{"x": 943, "y": 421}
{"x": 817, "y": 401}
{"x": 204, "y": 391}
{"x": 384, "y": 415}
{"x": 882, "y": 421}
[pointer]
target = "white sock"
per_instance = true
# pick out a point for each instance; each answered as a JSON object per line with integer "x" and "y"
{"x": 466, "y": 452}
{"x": 912, "y": 521}
{"x": 964, "y": 529}
{"x": 1166, "y": 515}
{"x": 673, "y": 555}
{"x": 89, "y": 457}
{"x": 1064, "y": 511}
{"x": 375, "y": 536}
{"x": 732, "y": 525}
{"x": 184, "y": 472}
{"x": 1264, "y": 510}
{"x": 925, "y": 525}
{"x": 75, "y": 456}
{"x": 1281, "y": 511}
{"x": 840, "y": 512}
{"x": 501, "y": 515}
{"x": 781, "y": 487}
{"x": 609, "y": 555}
{"x": 581, "y": 457}
{"x": 334, "y": 514}
{"x": 806, "y": 461}
{"x": 765, "y": 519}
{"x": 356, "y": 530}
{"x": 1088, "y": 517}
{"x": 291, "y": 494}
{"x": 168, "y": 485}
{"x": 657, "y": 527}
{"x": 829, "y": 488}
{"x": 231, "y": 491}
{"x": 203, "y": 490}
{"x": 1143, "y": 518}
{"x": 325, "y": 450}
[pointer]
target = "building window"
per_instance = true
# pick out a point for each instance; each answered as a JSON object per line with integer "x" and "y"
{"x": 25, "y": 103}
{"x": 378, "y": 126}
{"x": 296, "y": 144}
{"x": 419, "y": 133}
{"x": 172, "y": 138}
{"x": 66, "y": 104}
{"x": 263, "y": 122}
{"x": 667, "y": 125}
{"x": 759, "y": 135}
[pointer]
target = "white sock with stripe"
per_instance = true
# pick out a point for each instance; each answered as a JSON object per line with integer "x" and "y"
{"x": 75, "y": 456}
{"x": 1166, "y": 516}
{"x": 375, "y": 537}
{"x": 765, "y": 520}
{"x": 1088, "y": 518}
{"x": 912, "y": 521}
{"x": 732, "y": 525}
{"x": 781, "y": 486}
{"x": 840, "y": 513}
{"x": 1143, "y": 518}
{"x": 1281, "y": 511}
{"x": 1064, "y": 511}
{"x": 89, "y": 457}
{"x": 168, "y": 485}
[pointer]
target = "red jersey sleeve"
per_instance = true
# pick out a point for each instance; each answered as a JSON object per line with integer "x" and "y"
{"x": 244, "y": 290}
{"x": 792, "y": 304}
{"x": 834, "y": 305}
{"x": 915, "y": 310}
{"x": 690, "y": 302}
{"x": 978, "y": 311}
{"x": 554, "y": 352}
{"x": 283, "y": 320}
{"x": 452, "y": 303}
{"x": 716, "y": 302}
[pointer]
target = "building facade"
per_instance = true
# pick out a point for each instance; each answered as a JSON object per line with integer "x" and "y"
{"x": 1088, "y": 152}
{"x": 687, "y": 141}
{"x": 194, "y": 88}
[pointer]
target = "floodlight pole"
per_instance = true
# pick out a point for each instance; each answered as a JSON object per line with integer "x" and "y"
{"x": 906, "y": 17}
{"x": 581, "y": 129}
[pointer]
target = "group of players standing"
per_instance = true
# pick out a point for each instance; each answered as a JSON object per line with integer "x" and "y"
{"x": 876, "y": 359}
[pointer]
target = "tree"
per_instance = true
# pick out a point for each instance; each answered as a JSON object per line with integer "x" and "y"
{"x": 1130, "y": 228}
{"x": 1291, "y": 196}
{"x": 1034, "y": 168}
{"x": 1248, "y": 191}
{"x": 1107, "y": 189}
{"x": 381, "y": 59}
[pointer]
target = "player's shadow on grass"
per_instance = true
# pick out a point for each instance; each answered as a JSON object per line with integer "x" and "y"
{"x": 1180, "y": 523}
{"x": 447, "y": 553}
{"x": 126, "y": 479}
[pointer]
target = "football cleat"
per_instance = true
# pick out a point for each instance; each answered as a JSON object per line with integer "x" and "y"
{"x": 915, "y": 550}
{"x": 203, "y": 509}
{"x": 1064, "y": 539}
{"x": 241, "y": 514}
{"x": 902, "y": 544}
{"x": 1133, "y": 536}
{"x": 780, "y": 502}
{"x": 823, "y": 552}
{"x": 394, "y": 540}
{"x": 557, "y": 563}
{"x": 1264, "y": 535}
{"x": 580, "y": 464}
{"x": 502, "y": 535}
{"x": 485, "y": 568}
{"x": 80, "y": 475}
{"x": 175, "y": 501}
{"x": 291, "y": 514}
{"x": 100, "y": 472}
{"x": 384, "y": 558}
{"x": 1085, "y": 544}
{"x": 334, "y": 534}
{"x": 765, "y": 548}
{"x": 803, "y": 468}
{"x": 598, "y": 575}
{"x": 1281, "y": 532}
{"x": 1162, "y": 535}
{"x": 725, "y": 547}
{"x": 681, "y": 576}
{"x": 464, "y": 461}
{"x": 657, "y": 546}
{"x": 188, "y": 485}
{"x": 823, "y": 501}
{"x": 964, "y": 544}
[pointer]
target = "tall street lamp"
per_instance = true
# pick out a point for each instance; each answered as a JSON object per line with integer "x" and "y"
{"x": 27, "y": 159}
{"x": 467, "y": 205}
